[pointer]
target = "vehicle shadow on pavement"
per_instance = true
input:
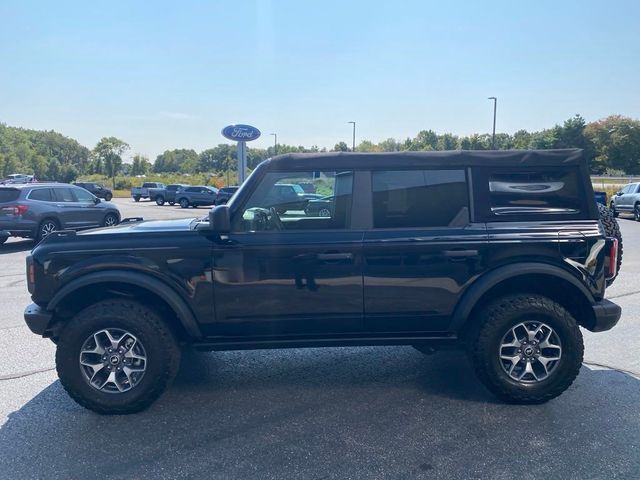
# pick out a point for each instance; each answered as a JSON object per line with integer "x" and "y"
{"x": 19, "y": 246}
{"x": 386, "y": 412}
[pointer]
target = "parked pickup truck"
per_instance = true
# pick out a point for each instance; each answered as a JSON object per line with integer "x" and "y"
{"x": 143, "y": 192}
{"x": 165, "y": 194}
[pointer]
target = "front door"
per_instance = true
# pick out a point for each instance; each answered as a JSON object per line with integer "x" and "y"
{"x": 422, "y": 250}
{"x": 286, "y": 273}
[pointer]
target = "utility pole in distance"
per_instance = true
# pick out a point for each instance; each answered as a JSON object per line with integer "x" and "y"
{"x": 275, "y": 143}
{"x": 493, "y": 136}
{"x": 353, "y": 143}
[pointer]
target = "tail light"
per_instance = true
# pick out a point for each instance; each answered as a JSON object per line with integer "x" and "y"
{"x": 613, "y": 258}
{"x": 16, "y": 209}
{"x": 31, "y": 274}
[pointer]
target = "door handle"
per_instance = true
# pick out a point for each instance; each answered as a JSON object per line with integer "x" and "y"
{"x": 334, "y": 257}
{"x": 460, "y": 253}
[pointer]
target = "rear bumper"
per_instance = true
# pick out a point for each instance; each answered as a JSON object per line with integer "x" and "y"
{"x": 606, "y": 315}
{"x": 37, "y": 318}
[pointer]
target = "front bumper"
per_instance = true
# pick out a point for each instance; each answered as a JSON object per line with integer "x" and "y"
{"x": 37, "y": 318}
{"x": 606, "y": 314}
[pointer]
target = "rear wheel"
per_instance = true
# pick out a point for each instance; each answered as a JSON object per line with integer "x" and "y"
{"x": 160, "y": 200}
{"x": 612, "y": 229}
{"x": 108, "y": 197}
{"x": 184, "y": 203}
{"x": 136, "y": 198}
{"x": 48, "y": 226}
{"x": 527, "y": 350}
{"x": 3, "y": 240}
{"x": 172, "y": 203}
{"x": 116, "y": 357}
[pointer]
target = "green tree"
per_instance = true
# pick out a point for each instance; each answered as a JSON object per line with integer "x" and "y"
{"x": 340, "y": 147}
{"x": 108, "y": 152}
{"x": 140, "y": 165}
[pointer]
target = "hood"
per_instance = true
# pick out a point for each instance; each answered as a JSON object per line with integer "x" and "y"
{"x": 177, "y": 225}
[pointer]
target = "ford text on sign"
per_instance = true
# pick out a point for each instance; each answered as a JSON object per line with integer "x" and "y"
{"x": 240, "y": 133}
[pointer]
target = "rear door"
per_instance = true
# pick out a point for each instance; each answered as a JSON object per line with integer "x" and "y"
{"x": 422, "y": 251}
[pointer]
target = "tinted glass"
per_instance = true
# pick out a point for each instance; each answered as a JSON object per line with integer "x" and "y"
{"x": 192, "y": 189}
{"x": 535, "y": 191}
{"x": 41, "y": 194}
{"x": 420, "y": 198}
{"x": 8, "y": 194}
{"x": 275, "y": 205}
{"x": 63, "y": 195}
{"x": 83, "y": 196}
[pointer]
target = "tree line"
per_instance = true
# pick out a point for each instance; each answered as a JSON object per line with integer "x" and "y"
{"x": 611, "y": 145}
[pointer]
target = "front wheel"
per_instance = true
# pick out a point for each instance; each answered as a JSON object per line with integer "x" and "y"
{"x": 612, "y": 207}
{"x": 160, "y": 200}
{"x": 528, "y": 349}
{"x": 116, "y": 357}
{"x": 172, "y": 203}
{"x": 111, "y": 220}
{"x": 184, "y": 203}
{"x": 108, "y": 197}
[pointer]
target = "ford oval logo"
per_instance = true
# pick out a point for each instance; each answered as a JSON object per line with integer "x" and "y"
{"x": 241, "y": 133}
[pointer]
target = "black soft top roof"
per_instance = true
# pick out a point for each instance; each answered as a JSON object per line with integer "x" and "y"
{"x": 453, "y": 158}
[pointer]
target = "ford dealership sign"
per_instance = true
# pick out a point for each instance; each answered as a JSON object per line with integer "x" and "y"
{"x": 241, "y": 133}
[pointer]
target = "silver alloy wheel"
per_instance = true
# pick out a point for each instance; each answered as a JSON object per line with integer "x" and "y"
{"x": 530, "y": 352}
{"x": 324, "y": 212}
{"x": 110, "y": 220}
{"x": 47, "y": 228}
{"x": 113, "y": 360}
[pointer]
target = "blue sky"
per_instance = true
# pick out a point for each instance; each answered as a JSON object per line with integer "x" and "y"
{"x": 164, "y": 75}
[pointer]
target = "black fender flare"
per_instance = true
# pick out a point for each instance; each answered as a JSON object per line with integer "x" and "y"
{"x": 486, "y": 282}
{"x": 164, "y": 291}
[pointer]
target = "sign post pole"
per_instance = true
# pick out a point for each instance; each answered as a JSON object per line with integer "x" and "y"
{"x": 241, "y": 134}
{"x": 242, "y": 161}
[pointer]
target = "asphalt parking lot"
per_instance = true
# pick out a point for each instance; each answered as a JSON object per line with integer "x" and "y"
{"x": 383, "y": 412}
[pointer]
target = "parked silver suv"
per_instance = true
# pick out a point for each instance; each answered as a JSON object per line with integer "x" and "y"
{"x": 627, "y": 200}
{"x": 37, "y": 209}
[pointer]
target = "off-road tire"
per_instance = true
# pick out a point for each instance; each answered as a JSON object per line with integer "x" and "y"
{"x": 494, "y": 320}
{"x": 611, "y": 229}
{"x": 163, "y": 355}
{"x": 159, "y": 200}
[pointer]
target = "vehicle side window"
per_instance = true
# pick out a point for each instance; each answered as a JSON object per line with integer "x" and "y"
{"x": 83, "y": 195}
{"x": 41, "y": 194}
{"x": 274, "y": 205}
{"x": 63, "y": 195}
{"x": 539, "y": 191}
{"x": 420, "y": 198}
{"x": 192, "y": 189}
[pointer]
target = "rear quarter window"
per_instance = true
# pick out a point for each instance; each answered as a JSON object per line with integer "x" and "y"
{"x": 9, "y": 195}
{"x": 526, "y": 192}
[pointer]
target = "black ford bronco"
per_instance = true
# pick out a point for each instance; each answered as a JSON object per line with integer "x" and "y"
{"x": 501, "y": 253}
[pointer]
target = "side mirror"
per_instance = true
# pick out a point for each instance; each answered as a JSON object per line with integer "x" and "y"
{"x": 219, "y": 219}
{"x": 96, "y": 200}
{"x": 618, "y": 194}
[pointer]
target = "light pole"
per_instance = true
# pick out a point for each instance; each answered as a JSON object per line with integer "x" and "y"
{"x": 353, "y": 143}
{"x": 275, "y": 143}
{"x": 493, "y": 136}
